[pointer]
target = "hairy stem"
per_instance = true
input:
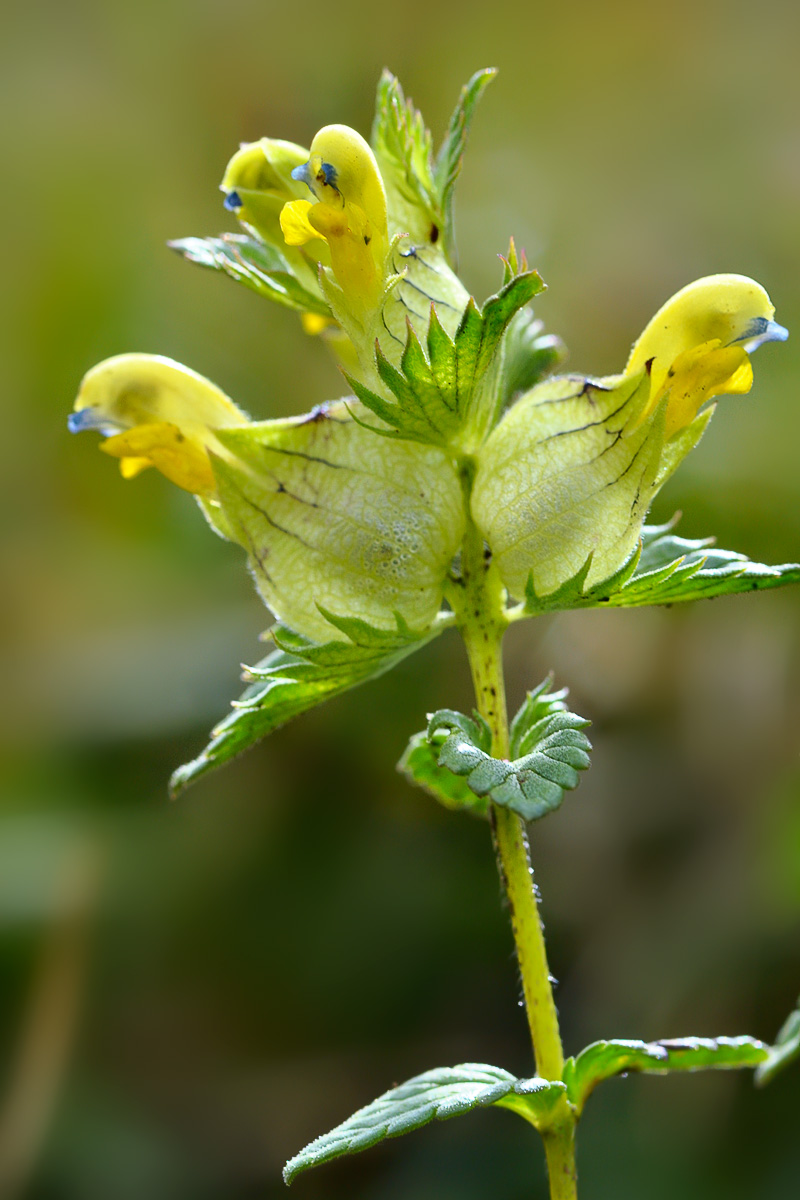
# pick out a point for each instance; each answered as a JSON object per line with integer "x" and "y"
{"x": 478, "y": 601}
{"x": 515, "y": 868}
{"x": 559, "y": 1145}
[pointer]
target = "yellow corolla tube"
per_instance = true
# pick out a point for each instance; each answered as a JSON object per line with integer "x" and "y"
{"x": 154, "y": 412}
{"x": 698, "y": 344}
{"x": 348, "y": 211}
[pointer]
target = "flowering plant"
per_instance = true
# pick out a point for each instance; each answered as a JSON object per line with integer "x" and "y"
{"x": 460, "y": 482}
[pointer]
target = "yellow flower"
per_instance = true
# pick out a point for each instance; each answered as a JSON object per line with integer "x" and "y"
{"x": 570, "y": 471}
{"x": 258, "y": 182}
{"x": 332, "y": 516}
{"x": 348, "y": 212}
{"x": 697, "y": 345}
{"x": 154, "y": 412}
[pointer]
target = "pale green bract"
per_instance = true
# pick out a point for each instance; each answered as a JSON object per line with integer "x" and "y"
{"x": 335, "y": 518}
{"x": 568, "y": 473}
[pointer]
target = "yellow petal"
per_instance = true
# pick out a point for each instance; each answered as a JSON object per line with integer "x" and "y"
{"x": 350, "y": 173}
{"x": 353, "y": 262}
{"x": 350, "y": 214}
{"x": 698, "y": 375}
{"x": 181, "y": 459}
{"x": 727, "y": 308}
{"x": 314, "y": 323}
{"x": 296, "y": 227}
{"x": 129, "y": 468}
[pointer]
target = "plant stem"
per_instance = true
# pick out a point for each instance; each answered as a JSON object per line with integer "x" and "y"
{"x": 515, "y": 868}
{"x": 478, "y": 602}
{"x": 559, "y": 1146}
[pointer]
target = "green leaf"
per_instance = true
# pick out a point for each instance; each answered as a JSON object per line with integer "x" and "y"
{"x": 602, "y": 1060}
{"x": 666, "y": 569}
{"x": 547, "y": 740}
{"x": 424, "y": 412}
{"x": 260, "y": 267}
{"x": 435, "y": 1095}
{"x": 403, "y": 148}
{"x": 420, "y": 765}
{"x": 297, "y": 676}
{"x": 477, "y": 342}
{"x": 785, "y": 1051}
{"x": 445, "y": 397}
{"x": 451, "y": 154}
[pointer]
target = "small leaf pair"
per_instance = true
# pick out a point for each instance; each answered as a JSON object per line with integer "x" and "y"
{"x": 451, "y": 1091}
{"x": 548, "y": 750}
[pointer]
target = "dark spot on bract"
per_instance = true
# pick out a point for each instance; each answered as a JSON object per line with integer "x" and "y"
{"x": 434, "y": 234}
{"x": 318, "y": 413}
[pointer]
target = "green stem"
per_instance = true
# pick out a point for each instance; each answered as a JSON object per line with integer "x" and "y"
{"x": 515, "y": 867}
{"x": 478, "y": 601}
{"x": 559, "y": 1146}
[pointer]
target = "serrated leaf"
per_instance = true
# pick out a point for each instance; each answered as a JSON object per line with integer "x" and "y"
{"x": 435, "y": 1095}
{"x": 260, "y": 267}
{"x": 451, "y": 154}
{"x": 403, "y": 148}
{"x": 666, "y": 569}
{"x": 420, "y": 765}
{"x": 297, "y": 676}
{"x": 548, "y": 739}
{"x": 539, "y": 705}
{"x": 476, "y": 345}
{"x": 602, "y": 1060}
{"x": 439, "y": 397}
{"x": 785, "y": 1051}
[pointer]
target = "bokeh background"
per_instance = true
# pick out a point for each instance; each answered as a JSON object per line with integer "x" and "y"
{"x": 189, "y": 992}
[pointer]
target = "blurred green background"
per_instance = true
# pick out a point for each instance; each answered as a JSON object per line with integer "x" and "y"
{"x": 189, "y": 992}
